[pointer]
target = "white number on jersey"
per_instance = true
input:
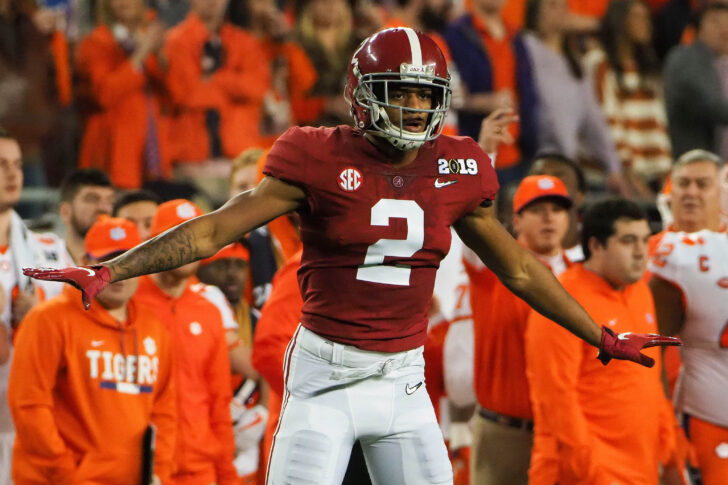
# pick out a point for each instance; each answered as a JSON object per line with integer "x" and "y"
{"x": 374, "y": 270}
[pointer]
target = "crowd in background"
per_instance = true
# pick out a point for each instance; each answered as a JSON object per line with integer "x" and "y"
{"x": 153, "y": 113}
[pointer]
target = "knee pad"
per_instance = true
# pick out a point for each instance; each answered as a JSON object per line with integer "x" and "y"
{"x": 432, "y": 456}
{"x": 308, "y": 459}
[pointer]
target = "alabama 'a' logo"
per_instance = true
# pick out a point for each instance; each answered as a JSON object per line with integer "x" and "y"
{"x": 350, "y": 179}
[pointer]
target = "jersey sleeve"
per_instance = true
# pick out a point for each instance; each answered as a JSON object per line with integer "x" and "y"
{"x": 287, "y": 159}
{"x": 488, "y": 178}
{"x": 670, "y": 256}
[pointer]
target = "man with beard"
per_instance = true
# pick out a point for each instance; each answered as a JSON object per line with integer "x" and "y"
{"x": 85, "y": 195}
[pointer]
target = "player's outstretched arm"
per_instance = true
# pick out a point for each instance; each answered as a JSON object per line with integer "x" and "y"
{"x": 203, "y": 236}
{"x": 195, "y": 239}
{"x": 532, "y": 281}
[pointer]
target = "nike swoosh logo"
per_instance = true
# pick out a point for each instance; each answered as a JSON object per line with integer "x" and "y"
{"x": 412, "y": 389}
{"x": 439, "y": 185}
{"x": 96, "y": 343}
{"x": 89, "y": 271}
{"x": 624, "y": 336}
{"x": 257, "y": 420}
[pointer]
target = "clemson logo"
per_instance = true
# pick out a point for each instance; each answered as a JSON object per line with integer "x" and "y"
{"x": 185, "y": 211}
{"x": 195, "y": 328}
{"x": 723, "y": 282}
{"x": 117, "y": 234}
{"x": 350, "y": 179}
{"x": 546, "y": 184}
{"x": 150, "y": 346}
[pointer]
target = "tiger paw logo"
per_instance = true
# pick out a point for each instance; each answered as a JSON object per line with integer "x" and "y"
{"x": 150, "y": 346}
{"x": 195, "y": 328}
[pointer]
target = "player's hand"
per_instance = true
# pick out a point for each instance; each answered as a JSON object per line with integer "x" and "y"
{"x": 627, "y": 346}
{"x": 89, "y": 279}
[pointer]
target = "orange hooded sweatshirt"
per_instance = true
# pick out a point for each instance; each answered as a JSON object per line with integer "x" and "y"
{"x": 205, "y": 443}
{"x": 83, "y": 388}
{"x": 596, "y": 425}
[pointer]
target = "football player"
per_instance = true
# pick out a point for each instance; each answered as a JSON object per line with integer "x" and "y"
{"x": 376, "y": 202}
{"x": 689, "y": 285}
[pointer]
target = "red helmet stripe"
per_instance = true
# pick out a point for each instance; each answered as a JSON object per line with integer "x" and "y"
{"x": 415, "y": 48}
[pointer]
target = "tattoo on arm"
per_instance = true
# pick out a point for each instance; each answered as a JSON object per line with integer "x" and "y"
{"x": 166, "y": 251}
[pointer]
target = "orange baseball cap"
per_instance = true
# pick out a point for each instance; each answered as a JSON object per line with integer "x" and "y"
{"x": 172, "y": 213}
{"x": 535, "y": 187}
{"x": 110, "y": 235}
{"x": 231, "y": 251}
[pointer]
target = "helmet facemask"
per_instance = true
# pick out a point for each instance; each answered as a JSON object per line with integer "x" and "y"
{"x": 373, "y": 91}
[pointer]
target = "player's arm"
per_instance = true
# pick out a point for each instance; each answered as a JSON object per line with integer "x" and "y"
{"x": 195, "y": 239}
{"x": 523, "y": 274}
{"x": 203, "y": 236}
{"x": 668, "y": 305}
{"x": 532, "y": 281}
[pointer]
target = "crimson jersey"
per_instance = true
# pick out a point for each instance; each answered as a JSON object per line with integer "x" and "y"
{"x": 373, "y": 235}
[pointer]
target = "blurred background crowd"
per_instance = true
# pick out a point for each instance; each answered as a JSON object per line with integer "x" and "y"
{"x": 157, "y": 111}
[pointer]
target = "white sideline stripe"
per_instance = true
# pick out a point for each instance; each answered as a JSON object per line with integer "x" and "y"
{"x": 414, "y": 47}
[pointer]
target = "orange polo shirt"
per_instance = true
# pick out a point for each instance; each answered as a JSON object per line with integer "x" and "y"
{"x": 499, "y": 326}
{"x": 596, "y": 425}
{"x": 278, "y": 322}
{"x": 499, "y": 323}
{"x": 205, "y": 443}
{"x": 83, "y": 388}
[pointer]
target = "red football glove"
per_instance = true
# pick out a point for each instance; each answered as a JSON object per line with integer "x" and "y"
{"x": 89, "y": 279}
{"x": 627, "y": 346}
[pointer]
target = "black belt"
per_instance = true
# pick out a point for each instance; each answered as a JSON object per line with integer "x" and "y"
{"x": 525, "y": 424}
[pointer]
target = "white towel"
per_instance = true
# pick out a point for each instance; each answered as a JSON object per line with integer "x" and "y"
{"x": 21, "y": 240}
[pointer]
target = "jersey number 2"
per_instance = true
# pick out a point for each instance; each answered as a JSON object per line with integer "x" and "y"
{"x": 374, "y": 270}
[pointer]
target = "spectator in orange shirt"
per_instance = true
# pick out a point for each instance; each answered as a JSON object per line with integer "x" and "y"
{"x": 590, "y": 427}
{"x": 122, "y": 93}
{"x": 502, "y": 430}
{"x": 292, "y": 73}
{"x": 217, "y": 78}
{"x": 569, "y": 172}
{"x": 138, "y": 206}
{"x": 205, "y": 445}
{"x": 495, "y": 69}
{"x": 86, "y": 194}
{"x": 228, "y": 271}
{"x": 79, "y": 418}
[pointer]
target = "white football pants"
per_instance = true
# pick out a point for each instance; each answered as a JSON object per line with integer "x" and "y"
{"x": 336, "y": 394}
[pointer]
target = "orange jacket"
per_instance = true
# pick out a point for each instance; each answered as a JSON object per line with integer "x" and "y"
{"x": 119, "y": 100}
{"x": 301, "y": 78}
{"x": 205, "y": 433}
{"x": 499, "y": 325}
{"x": 596, "y": 425}
{"x": 79, "y": 419}
{"x": 235, "y": 90}
{"x": 434, "y": 372}
{"x": 278, "y": 321}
